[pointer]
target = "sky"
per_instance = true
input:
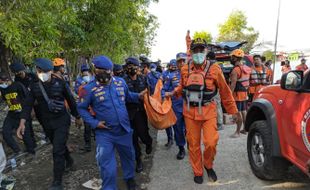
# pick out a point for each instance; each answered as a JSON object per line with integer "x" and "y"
{"x": 175, "y": 17}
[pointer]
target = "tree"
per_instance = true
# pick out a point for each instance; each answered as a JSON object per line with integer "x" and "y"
{"x": 236, "y": 28}
{"x": 75, "y": 28}
{"x": 269, "y": 54}
{"x": 203, "y": 35}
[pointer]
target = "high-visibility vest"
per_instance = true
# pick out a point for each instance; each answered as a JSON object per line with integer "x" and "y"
{"x": 243, "y": 82}
{"x": 258, "y": 78}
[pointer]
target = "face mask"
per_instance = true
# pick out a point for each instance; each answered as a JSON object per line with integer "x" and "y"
{"x": 20, "y": 75}
{"x": 132, "y": 71}
{"x": 103, "y": 78}
{"x": 153, "y": 69}
{"x": 44, "y": 76}
{"x": 4, "y": 85}
{"x": 118, "y": 74}
{"x": 86, "y": 78}
{"x": 199, "y": 58}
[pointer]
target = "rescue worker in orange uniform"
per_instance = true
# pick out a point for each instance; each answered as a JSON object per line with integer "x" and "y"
{"x": 239, "y": 84}
{"x": 199, "y": 84}
{"x": 268, "y": 65}
{"x": 59, "y": 69}
{"x": 302, "y": 66}
{"x": 259, "y": 76}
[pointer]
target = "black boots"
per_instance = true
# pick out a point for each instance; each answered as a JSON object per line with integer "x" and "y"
{"x": 181, "y": 153}
{"x": 131, "y": 184}
{"x": 69, "y": 164}
{"x": 169, "y": 143}
{"x": 139, "y": 166}
{"x": 56, "y": 185}
{"x": 198, "y": 179}
{"x": 211, "y": 174}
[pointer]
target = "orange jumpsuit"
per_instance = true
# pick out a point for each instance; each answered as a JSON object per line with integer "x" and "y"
{"x": 205, "y": 123}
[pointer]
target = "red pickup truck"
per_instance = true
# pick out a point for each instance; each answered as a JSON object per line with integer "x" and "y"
{"x": 279, "y": 127}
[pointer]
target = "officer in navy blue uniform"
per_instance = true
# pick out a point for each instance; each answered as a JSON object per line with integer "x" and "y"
{"x": 118, "y": 70}
{"x": 152, "y": 77}
{"x": 137, "y": 115}
{"x": 84, "y": 78}
{"x": 107, "y": 95}
{"x": 171, "y": 81}
{"x": 55, "y": 117}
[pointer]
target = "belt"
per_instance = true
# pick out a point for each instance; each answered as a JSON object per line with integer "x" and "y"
{"x": 196, "y": 104}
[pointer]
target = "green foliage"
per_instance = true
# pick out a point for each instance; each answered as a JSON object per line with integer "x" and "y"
{"x": 268, "y": 54}
{"x": 45, "y": 28}
{"x": 203, "y": 35}
{"x": 235, "y": 29}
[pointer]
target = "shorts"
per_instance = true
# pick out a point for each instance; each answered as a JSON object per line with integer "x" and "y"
{"x": 242, "y": 105}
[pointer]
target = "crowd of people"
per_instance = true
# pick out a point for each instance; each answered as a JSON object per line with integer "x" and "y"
{"x": 110, "y": 104}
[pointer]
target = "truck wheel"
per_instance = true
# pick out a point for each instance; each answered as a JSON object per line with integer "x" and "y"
{"x": 259, "y": 146}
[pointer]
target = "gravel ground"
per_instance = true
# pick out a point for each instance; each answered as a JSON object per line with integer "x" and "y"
{"x": 37, "y": 174}
{"x": 231, "y": 165}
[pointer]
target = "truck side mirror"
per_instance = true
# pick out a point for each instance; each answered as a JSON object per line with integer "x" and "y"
{"x": 292, "y": 80}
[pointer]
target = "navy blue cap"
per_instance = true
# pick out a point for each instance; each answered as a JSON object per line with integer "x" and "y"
{"x": 103, "y": 62}
{"x": 172, "y": 62}
{"x": 44, "y": 64}
{"x": 181, "y": 56}
{"x": 117, "y": 67}
{"x": 17, "y": 66}
{"x": 133, "y": 60}
{"x": 152, "y": 66}
{"x": 84, "y": 67}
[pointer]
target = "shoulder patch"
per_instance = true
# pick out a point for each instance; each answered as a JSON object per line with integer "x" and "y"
{"x": 93, "y": 89}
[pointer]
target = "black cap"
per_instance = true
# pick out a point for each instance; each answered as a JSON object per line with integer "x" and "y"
{"x": 198, "y": 42}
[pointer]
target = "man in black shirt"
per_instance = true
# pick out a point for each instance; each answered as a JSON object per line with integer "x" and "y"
{"x": 137, "y": 114}
{"x": 14, "y": 93}
{"x": 25, "y": 78}
{"x": 19, "y": 70}
{"x": 50, "y": 93}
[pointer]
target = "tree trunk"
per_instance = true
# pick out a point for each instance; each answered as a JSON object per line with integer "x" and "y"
{"x": 5, "y": 55}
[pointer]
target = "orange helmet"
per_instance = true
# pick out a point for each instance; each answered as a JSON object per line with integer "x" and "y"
{"x": 237, "y": 53}
{"x": 58, "y": 62}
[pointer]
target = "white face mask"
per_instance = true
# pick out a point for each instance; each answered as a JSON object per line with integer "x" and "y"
{"x": 44, "y": 76}
{"x": 153, "y": 69}
{"x": 4, "y": 85}
{"x": 86, "y": 78}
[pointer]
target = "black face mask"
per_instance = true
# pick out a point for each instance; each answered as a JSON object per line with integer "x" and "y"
{"x": 103, "y": 78}
{"x": 132, "y": 71}
{"x": 173, "y": 68}
{"x": 119, "y": 74}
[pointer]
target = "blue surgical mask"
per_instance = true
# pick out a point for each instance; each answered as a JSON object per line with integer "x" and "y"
{"x": 199, "y": 58}
{"x": 4, "y": 85}
{"x": 86, "y": 78}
